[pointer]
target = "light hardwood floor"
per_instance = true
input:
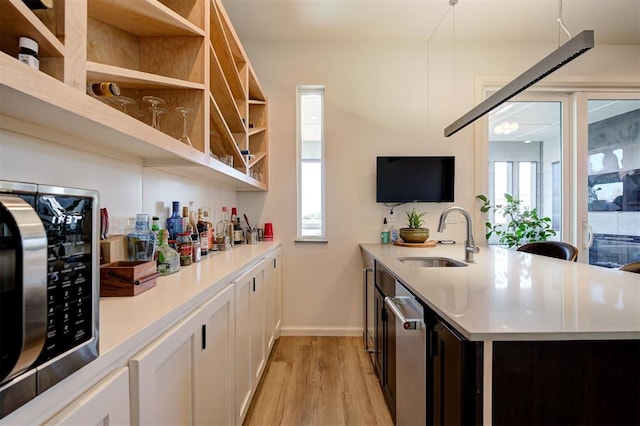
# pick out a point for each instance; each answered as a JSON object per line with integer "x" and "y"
{"x": 323, "y": 381}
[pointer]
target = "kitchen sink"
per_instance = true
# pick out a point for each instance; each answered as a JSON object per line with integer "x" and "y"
{"x": 431, "y": 262}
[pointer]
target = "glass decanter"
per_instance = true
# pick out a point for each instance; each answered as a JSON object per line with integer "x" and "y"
{"x": 142, "y": 240}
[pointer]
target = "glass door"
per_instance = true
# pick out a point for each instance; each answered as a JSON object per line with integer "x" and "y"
{"x": 527, "y": 157}
{"x": 609, "y": 177}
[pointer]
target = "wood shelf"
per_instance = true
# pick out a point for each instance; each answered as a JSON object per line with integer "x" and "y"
{"x": 36, "y": 104}
{"x": 223, "y": 96}
{"x": 136, "y": 79}
{"x": 224, "y": 54}
{"x": 183, "y": 51}
{"x": 257, "y": 130}
{"x": 147, "y": 18}
{"x": 17, "y": 20}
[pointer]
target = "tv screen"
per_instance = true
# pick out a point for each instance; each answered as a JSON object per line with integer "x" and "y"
{"x": 415, "y": 179}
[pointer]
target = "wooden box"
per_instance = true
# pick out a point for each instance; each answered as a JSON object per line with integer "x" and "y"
{"x": 127, "y": 278}
{"x": 114, "y": 249}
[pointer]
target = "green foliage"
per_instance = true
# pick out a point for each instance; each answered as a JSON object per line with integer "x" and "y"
{"x": 414, "y": 219}
{"x": 523, "y": 225}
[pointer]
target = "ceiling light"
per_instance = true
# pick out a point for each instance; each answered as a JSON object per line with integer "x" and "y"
{"x": 506, "y": 128}
{"x": 558, "y": 58}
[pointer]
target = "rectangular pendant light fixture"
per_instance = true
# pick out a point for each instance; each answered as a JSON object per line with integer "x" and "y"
{"x": 559, "y": 57}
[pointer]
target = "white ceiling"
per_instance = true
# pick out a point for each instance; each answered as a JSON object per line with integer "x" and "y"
{"x": 510, "y": 21}
{"x": 471, "y": 21}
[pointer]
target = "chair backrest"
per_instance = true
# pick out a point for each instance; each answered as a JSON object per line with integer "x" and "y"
{"x": 557, "y": 249}
{"x": 631, "y": 267}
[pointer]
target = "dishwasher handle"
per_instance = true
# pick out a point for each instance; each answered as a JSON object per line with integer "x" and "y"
{"x": 407, "y": 323}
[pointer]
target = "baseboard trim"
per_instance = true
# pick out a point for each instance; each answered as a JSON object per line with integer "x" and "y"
{"x": 321, "y": 331}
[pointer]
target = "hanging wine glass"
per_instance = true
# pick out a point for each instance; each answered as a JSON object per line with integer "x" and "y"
{"x": 185, "y": 124}
{"x": 159, "y": 112}
{"x": 122, "y": 102}
{"x": 155, "y": 102}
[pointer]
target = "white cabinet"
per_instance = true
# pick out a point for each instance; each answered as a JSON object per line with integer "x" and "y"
{"x": 107, "y": 403}
{"x": 273, "y": 299}
{"x": 250, "y": 346}
{"x": 186, "y": 376}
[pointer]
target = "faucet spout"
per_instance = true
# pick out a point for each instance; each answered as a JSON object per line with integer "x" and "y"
{"x": 470, "y": 247}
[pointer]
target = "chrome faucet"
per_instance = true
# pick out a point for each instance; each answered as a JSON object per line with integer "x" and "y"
{"x": 470, "y": 247}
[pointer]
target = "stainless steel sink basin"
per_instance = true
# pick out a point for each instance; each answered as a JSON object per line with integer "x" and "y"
{"x": 431, "y": 262}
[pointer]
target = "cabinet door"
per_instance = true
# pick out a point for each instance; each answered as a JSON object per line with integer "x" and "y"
{"x": 106, "y": 403}
{"x": 258, "y": 342}
{"x": 162, "y": 377}
{"x": 272, "y": 299}
{"x": 243, "y": 290}
{"x": 215, "y": 361}
{"x": 456, "y": 391}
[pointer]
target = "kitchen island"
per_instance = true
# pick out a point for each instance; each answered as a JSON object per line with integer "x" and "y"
{"x": 550, "y": 341}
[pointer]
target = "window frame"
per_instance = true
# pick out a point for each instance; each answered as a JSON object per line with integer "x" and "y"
{"x": 300, "y": 91}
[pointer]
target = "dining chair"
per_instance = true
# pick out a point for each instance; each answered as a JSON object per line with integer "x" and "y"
{"x": 556, "y": 249}
{"x": 631, "y": 267}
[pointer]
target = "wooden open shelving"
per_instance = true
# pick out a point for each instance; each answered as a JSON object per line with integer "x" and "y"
{"x": 183, "y": 51}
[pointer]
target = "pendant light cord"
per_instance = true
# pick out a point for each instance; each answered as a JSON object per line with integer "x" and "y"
{"x": 433, "y": 33}
{"x": 561, "y": 23}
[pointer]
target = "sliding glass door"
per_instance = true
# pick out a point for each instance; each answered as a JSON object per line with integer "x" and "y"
{"x": 526, "y": 143}
{"x": 609, "y": 177}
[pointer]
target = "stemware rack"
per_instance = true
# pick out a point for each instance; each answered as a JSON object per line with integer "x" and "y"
{"x": 162, "y": 48}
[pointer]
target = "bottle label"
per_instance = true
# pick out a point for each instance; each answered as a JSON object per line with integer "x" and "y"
{"x": 30, "y": 60}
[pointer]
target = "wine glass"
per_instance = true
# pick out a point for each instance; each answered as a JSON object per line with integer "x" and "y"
{"x": 155, "y": 102}
{"x": 185, "y": 121}
{"x": 158, "y": 113}
{"x": 122, "y": 102}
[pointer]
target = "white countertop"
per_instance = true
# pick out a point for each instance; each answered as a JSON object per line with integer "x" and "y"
{"x": 509, "y": 295}
{"x": 122, "y": 318}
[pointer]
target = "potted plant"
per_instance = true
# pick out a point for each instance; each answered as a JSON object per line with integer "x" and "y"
{"x": 414, "y": 233}
{"x": 523, "y": 225}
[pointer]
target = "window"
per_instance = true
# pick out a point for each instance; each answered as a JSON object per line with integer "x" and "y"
{"x": 310, "y": 151}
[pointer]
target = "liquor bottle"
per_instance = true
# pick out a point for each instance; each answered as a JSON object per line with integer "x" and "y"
{"x": 141, "y": 240}
{"x": 186, "y": 223}
{"x": 238, "y": 232}
{"x": 193, "y": 220}
{"x": 210, "y": 230}
{"x": 174, "y": 222}
{"x": 203, "y": 232}
{"x": 105, "y": 88}
{"x": 155, "y": 224}
{"x": 167, "y": 259}
{"x": 223, "y": 238}
{"x": 234, "y": 219}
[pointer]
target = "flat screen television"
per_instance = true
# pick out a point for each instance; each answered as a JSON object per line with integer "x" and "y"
{"x": 415, "y": 179}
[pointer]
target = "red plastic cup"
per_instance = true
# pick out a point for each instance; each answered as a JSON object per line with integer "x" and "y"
{"x": 268, "y": 231}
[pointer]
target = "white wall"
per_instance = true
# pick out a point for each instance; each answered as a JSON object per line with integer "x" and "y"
{"x": 379, "y": 101}
{"x": 125, "y": 188}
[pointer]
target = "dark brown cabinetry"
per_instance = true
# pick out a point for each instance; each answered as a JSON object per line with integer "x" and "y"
{"x": 566, "y": 382}
{"x": 456, "y": 385}
{"x": 385, "y": 340}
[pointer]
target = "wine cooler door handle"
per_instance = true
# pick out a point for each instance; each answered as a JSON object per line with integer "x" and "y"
{"x": 31, "y": 265}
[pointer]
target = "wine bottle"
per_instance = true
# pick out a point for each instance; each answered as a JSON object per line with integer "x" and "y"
{"x": 105, "y": 88}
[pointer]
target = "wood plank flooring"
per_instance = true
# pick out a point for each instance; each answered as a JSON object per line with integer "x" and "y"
{"x": 323, "y": 381}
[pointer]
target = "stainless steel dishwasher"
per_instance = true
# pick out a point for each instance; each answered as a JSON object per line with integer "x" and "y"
{"x": 411, "y": 358}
